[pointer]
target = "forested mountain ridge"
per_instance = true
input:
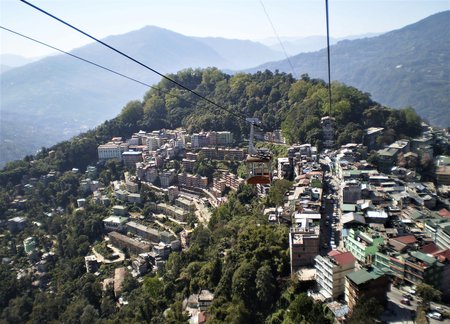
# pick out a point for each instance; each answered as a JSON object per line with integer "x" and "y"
{"x": 406, "y": 67}
{"x": 58, "y": 97}
{"x": 277, "y": 99}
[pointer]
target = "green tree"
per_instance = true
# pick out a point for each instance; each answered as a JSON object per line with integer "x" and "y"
{"x": 428, "y": 294}
{"x": 265, "y": 287}
{"x": 366, "y": 310}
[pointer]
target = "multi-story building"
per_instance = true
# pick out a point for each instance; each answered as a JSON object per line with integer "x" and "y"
{"x": 387, "y": 158}
{"x": 363, "y": 245}
{"x": 351, "y": 192}
{"x": 115, "y": 223}
{"x": 173, "y": 211}
{"x": 213, "y": 153}
{"x": 443, "y": 175}
{"x": 91, "y": 263}
{"x": 130, "y": 158}
{"x": 328, "y": 131}
{"x": 304, "y": 244}
{"x": 199, "y": 140}
{"x": 420, "y": 267}
{"x": 439, "y": 231}
{"x": 331, "y": 271}
{"x": 111, "y": 150}
{"x": 123, "y": 241}
{"x": 167, "y": 178}
{"x": 368, "y": 284}
{"x": 188, "y": 164}
{"x": 190, "y": 180}
{"x": 143, "y": 231}
{"x": 224, "y": 138}
{"x": 185, "y": 204}
{"x": 173, "y": 192}
{"x": 370, "y": 137}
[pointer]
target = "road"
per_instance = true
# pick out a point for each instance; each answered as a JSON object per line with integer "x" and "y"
{"x": 396, "y": 312}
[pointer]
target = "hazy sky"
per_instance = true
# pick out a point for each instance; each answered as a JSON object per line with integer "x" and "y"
{"x": 242, "y": 19}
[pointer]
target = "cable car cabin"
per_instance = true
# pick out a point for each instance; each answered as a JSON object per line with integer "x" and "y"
{"x": 260, "y": 169}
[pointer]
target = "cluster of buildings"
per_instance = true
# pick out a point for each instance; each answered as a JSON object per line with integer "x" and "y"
{"x": 152, "y": 154}
{"x": 355, "y": 228}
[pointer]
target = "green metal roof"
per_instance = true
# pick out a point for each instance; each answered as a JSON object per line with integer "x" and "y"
{"x": 348, "y": 207}
{"x": 423, "y": 257}
{"x": 362, "y": 276}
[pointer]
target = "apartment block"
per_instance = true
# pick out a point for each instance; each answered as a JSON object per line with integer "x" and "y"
{"x": 331, "y": 271}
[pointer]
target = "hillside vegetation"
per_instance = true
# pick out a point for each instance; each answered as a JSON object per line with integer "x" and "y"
{"x": 405, "y": 67}
{"x": 277, "y": 99}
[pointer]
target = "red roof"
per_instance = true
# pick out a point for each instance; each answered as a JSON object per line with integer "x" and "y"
{"x": 444, "y": 213}
{"x": 333, "y": 253}
{"x": 443, "y": 255}
{"x": 429, "y": 248}
{"x": 407, "y": 239}
{"x": 344, "y": 258}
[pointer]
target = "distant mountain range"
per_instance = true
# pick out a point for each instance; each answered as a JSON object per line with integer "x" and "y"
{"x": 405, "y": 67}
{"x": 57, "y": 97}
{"x": 296, "y": 45}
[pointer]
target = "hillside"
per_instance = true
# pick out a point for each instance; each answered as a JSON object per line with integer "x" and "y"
{"x": 57, "y": 97}
{"x": 405, "y": 67}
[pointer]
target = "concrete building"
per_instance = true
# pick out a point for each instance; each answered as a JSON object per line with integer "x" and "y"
{"x": 123, "y": 241}
{"x": 304, "y": 244}
{"x": 327, "y": 123}
{"x": 16, "y": 224}
{"x": 370, "y": 137}
{"x": 351, "y": 192}
{"x": 115, "y": 223}
{"x": 363, "y": 245}
{"x": 29, "y": 245}
{"x": 443, "y": 175}
{"x": 130, "y": 158}
{"x": 143, "y": 231}
{"x": 190, "y": 180}
{"x": 119, "y": 210}
{"x": 331, "y": 271}
{"x": 111, "y": 150}
{"x": 368, "y": 284}
{"x": 91, "y": 263}
{"x": 167, "y": 178}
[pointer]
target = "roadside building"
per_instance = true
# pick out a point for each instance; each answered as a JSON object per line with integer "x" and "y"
{"x": 143, "y": 231}
{"x": 123, "y": 241}
{"x": 363, "y": 245}
{"x": 331, "y": 271}
{"x": 304, "y": 246}
{"x": 115, "y": 223}
{"x": 91, "y": 263}
{"x": 368, "y": 284}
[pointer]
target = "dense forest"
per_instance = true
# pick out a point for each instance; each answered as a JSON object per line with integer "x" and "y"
{"x": 238, "y": 256}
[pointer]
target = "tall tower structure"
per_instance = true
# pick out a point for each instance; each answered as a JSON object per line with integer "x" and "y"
{"x": 328, "y": 124}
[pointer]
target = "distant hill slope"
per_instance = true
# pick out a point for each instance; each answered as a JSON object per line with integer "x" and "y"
{"x": 11, "y": 61}
{"x": 57, "y": 97}
{"x": 405, "y": 67}
{"x": 234, "y": 49}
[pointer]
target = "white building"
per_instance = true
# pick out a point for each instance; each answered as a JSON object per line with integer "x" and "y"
{"x": 111, "y": 150}
{"x": 331, "y": 271}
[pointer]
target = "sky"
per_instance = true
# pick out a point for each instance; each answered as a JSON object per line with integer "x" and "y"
{"x": 239, "y": 19}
